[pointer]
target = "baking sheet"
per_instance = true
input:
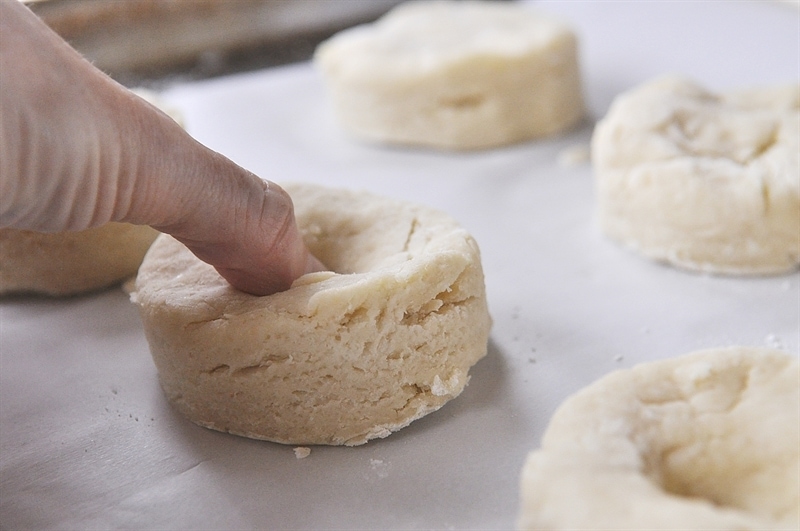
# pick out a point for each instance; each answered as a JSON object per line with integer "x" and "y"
{"x": 87, "y": 440}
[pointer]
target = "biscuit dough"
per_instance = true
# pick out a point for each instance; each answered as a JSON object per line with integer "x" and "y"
{"x": 341, "y": 357}
{"x": 707, "y": 182}
{"x": 68, "y": 263}
{"x": 454, "y": 75}
{"x": 709, "y": 440}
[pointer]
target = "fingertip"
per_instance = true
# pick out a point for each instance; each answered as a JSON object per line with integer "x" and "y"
{"x": 257, "y": 285}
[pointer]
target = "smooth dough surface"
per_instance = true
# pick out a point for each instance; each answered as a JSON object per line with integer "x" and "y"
{"x": 707, "y": 182}
{"x": 68, "y": 263}
{"x": 709, "y": 440}
{"x": 454, "y": 75}
{"x": 342, "y": 357}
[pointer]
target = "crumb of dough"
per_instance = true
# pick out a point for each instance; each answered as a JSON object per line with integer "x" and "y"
{"x": 301, "y": 452}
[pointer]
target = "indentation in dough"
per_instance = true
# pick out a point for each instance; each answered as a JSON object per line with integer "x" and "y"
{"x": 345, "y": 354}
{"x": 463, "y": 101}
{"x": 706, "y": 397}
{"x": 715, "y": 432}
{"x": 711, "y": 391}
{"x": 219, "y": 369}
{"x": 705, "y": 183}
{"x": 720, "y": 133}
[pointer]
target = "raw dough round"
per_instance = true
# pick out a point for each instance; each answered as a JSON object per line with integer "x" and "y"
{"x": 455, "y": 75}
{"x": 705, "y": 182}
{"x": 709, "y": 440}
{"x": 68, "y": 263}
{"x": 339, "y": 358}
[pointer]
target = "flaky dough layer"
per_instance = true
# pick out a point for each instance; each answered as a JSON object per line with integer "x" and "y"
{"x": 707, "y": 182}
{"x": 455, "y": 75}
{"x": 340, "y": 358}
{"x": 709, "y": 440}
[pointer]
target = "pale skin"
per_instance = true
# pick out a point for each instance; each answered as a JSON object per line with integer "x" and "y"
{"x": 78, "y": 150}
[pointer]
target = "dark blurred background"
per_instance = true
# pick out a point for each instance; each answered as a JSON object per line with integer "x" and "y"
{"x": 148, "y": 42}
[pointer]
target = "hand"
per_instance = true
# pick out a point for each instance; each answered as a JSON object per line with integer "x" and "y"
{"x": 80, "y": 150}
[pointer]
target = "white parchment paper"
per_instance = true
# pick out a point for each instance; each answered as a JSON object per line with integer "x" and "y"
{"x": 87, "y": 440}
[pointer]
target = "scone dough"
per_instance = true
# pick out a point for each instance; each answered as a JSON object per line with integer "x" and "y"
{"x": 709, "y": 440}
{"x": 340, "y": 358}
{"x": 68, "y": 263}
{"x": 455, "y": 75}
{"x": 706, "y": 182}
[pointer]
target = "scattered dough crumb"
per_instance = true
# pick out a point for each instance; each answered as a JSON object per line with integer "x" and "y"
{"x": 380, "y": 468}
{"x": 301, "y": 452}
{"x": 773, "y": 341}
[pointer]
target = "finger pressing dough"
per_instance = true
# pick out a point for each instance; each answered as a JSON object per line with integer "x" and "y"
{"x": 341, "y": 357}
{"x": 707, "y": 182}
{"x": 68, "y": 263}
{"x": 454, "y": 75}
{"x": 709, "y": 440}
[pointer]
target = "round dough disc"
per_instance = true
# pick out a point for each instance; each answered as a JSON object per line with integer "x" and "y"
{"x": 709, "y": 440}
{"x": 706, "y": 182}
{"x": 341, "y": 357}
{"x": 455, "y": 75}
{"x": 68, "y": 263}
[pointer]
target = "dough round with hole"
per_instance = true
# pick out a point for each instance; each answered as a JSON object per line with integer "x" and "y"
{"x": 707, "y": 182}
{"x": 709, "y": 440}
{"x": 68, "y": 263}
{"x": 454, "y": 75}
{"x": 387, "y": 336}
